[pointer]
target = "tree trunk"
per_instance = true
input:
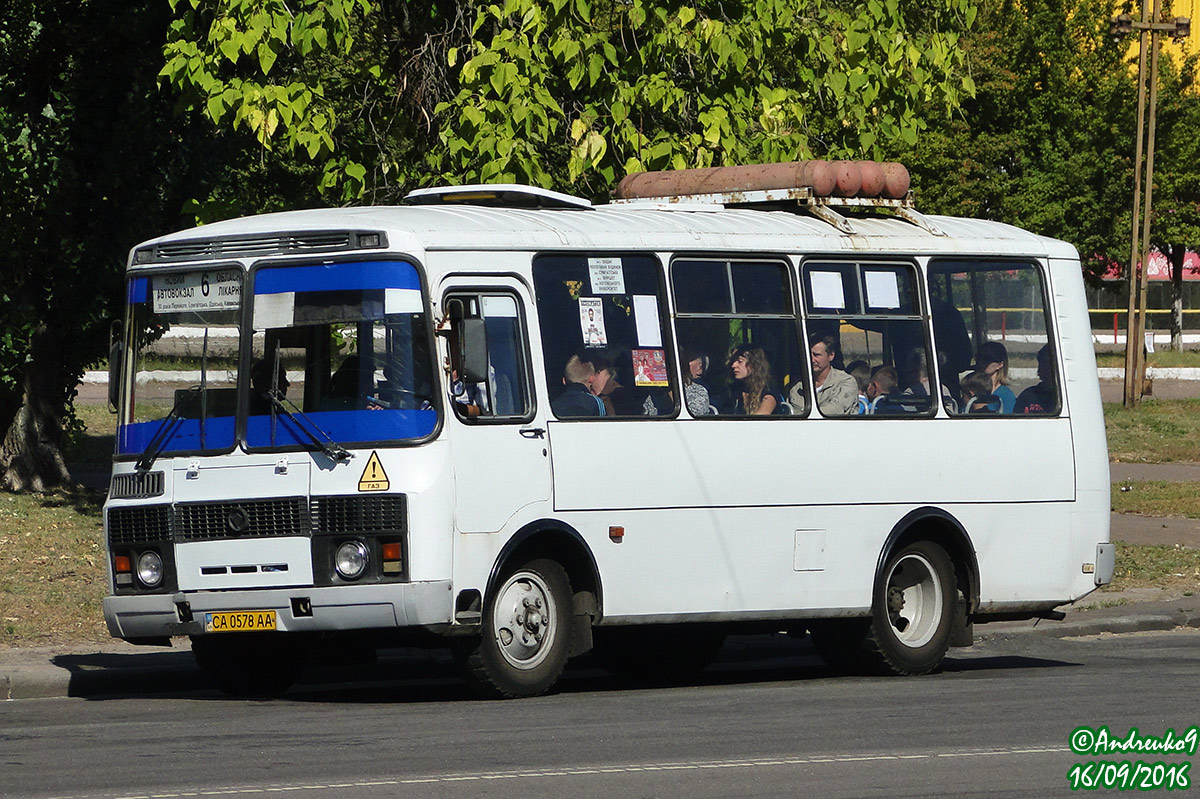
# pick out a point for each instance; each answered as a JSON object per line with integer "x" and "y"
{"x": 31, "y": 453}
{"x": 1177, "y": 254}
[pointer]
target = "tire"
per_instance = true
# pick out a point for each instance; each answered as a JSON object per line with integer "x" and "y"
{"x": 913, "y": 610}
{"x": 526, "y": 634}
{"x": 912, "y": 613}
{"x": 658, "y": 653}
{"x": 251, "y": 665}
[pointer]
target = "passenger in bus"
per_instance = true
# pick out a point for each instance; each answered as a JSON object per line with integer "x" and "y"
{"x": 1043, "y": 397}
{"x": 882, "y": 385}
{"x": 915, "y": 376}
{"x": 260, "y": 386}
{"x": 695, "y": 393}
{"x": 617, "y": 398}
{"x": 577, "y": 398}
{"x": 977, "y": 394}
{"x": 992, "y": 358}
{"x": 837, "y": 392}
{"x": 752, "y": 375}
{"x": 861, "y": 372}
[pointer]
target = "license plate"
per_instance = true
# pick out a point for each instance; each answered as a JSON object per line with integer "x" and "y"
{"x": 239, "y": 621}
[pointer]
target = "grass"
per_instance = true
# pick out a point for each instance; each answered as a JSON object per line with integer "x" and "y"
{"x": 1167, "y": 359}
{"x": 50, "y": 546}
{"x": 1157, "y": 431}
{"x": 1156, "y": 566}
{"x": 1157, "y": 498}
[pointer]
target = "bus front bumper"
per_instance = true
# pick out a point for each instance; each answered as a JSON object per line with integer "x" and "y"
{"x": 343, "y": 607}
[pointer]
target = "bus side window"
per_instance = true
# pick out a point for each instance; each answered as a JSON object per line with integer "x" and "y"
{"x": 488, "y": 365}
{"x": 869, "y": 315}
{"x": 739, "y": 337}
{"x": 999, "y": 307}
{"x": 604, "y": 336}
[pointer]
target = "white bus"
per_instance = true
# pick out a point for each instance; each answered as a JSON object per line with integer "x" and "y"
{"x": 525, "y": 426}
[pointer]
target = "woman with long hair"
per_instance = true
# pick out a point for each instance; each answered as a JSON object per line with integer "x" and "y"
{"x": 752, "y": 372}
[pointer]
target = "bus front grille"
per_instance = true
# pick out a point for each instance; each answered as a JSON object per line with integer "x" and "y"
{"x": 206, "y": 521}
{"x": 138, "y": 525}
{"x": 136, "y": 485}
{"x": 356, "y": 513}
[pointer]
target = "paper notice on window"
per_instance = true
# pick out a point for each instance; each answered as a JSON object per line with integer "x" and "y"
{"x": 645, "y": 316}
{"x": 649, "y": 367}
{"x": 827, "y": 290}
{"x": 274, "y": 310}
{"x": 883, "y": 290}
{"x": 591, "y": 322}
{"x": 606, "y": 275}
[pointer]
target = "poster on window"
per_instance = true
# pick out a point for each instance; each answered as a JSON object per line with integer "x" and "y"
{"x": 649, "y": 367}
{"x": 606, "y": 275}
{"x": 591, "y": 322}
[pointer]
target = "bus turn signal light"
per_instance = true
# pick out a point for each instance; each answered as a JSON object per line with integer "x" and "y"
{"x": 122, "y": 564}
{"x": 616, "y": 533}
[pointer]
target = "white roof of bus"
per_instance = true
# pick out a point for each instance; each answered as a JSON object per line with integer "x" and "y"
{"x": 639, "y": 226}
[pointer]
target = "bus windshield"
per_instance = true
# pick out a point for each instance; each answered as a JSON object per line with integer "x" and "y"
{"x": 340, "y": 355}
{"x": 182, "y": 374}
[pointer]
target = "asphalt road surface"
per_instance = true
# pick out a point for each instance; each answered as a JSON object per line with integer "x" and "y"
{"x": 766, "y": 720}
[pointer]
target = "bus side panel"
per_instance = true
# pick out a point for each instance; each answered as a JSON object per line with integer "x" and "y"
{"x": 780, "y": 461}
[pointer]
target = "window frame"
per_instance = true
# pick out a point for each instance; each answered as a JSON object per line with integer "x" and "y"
{"x": 795, "y": 316}
{"x": 933, "y": 271}
{"x": 244, "y": 388}
{"x": 524, "y": 352}
{"x": 919, "y": 315}
{"x": 666, "y": 330}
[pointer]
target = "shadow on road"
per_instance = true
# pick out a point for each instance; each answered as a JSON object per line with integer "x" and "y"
{"x": 411, "y": 676}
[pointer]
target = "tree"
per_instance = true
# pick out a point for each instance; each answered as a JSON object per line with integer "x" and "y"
{"x": 1046, "y": 142}
{"x": 569, "y": 94}
{"x": 91, "y": 162}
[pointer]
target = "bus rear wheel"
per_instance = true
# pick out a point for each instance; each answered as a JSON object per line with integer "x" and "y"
{"x": 912, "y": 613}
{"x": 526, "y": 633}
{"x": 256, "y": 665}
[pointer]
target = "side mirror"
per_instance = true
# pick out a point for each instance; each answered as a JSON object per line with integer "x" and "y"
{"x": 116, "y": 363}
{"x": 474, "y": 354}
{"x": 468, "y": 342}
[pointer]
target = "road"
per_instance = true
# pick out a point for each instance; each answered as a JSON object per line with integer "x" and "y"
{"x": 766, "y": 720}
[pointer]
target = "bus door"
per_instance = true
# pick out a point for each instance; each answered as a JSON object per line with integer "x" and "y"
{"x": 501, "y": 460}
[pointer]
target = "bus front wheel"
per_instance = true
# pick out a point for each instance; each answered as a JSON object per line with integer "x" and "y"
{"x": 526, "y": 633}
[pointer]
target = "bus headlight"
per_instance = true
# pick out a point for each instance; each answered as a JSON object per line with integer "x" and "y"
{"x": 351, "y": 560}
{"x": 150, "y": 569}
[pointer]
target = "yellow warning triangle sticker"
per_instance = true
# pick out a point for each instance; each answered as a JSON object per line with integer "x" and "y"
{"x": 374, "y": 478}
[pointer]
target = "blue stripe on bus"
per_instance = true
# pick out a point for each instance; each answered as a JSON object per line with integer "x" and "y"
{"x": 344, "y": 427}
{"x": 337, "y": 277}
{"x": 132, "y": 439}
{"x": 139, "y": 289}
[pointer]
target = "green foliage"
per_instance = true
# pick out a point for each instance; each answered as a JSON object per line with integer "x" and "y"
{"x": 618, "y": 87}
{"x": 260, "y": 65}
{"x": 1047, "y": 140}
{"x": 567, "y": 93}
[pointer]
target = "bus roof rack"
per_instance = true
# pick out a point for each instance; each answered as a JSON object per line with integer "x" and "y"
{"x": 814, "y": 186}
{"x": 496, "y": 195}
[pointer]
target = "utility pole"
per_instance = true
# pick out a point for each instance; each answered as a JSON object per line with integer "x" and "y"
{"x": 1151, "y": 29}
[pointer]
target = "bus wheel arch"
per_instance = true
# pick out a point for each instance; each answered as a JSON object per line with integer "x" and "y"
{"x": 942, "y": 528}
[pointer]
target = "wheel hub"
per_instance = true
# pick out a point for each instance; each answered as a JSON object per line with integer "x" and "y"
{"x": 522, "y": 623}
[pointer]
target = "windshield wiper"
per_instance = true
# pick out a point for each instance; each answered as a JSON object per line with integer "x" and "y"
{"x": 331, "y": 448}
{"x": 161, "y": 436}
